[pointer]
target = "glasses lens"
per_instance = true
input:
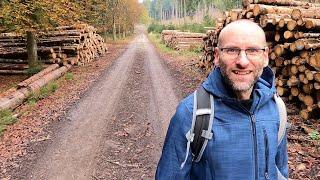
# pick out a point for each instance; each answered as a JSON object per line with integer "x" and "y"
{"x": 233, "y": 53}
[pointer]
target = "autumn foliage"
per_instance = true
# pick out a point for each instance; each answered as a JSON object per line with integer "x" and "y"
{"x": 109, "y": 16}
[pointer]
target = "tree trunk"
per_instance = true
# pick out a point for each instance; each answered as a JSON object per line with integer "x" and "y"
{"x": 32, "y": 49}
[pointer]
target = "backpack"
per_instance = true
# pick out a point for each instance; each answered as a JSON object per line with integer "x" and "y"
{"x": 202, "y": 119}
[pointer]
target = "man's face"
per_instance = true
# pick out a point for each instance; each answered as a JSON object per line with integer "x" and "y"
{"x": 241, "y": 72}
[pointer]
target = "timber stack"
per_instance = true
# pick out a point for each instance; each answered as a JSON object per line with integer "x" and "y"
{"x": 75, "y": 45}
{"x": 293, "y": 34}
{"x": 182, "y": 40}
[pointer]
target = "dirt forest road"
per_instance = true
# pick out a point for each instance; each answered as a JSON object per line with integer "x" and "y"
{"x": 116, "y": 130}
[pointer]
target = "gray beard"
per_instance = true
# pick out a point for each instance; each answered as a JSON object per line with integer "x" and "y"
{"x": 232, "y": 85}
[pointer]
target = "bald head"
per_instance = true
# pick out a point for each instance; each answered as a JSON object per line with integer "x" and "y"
{"x": 242, "y": 26}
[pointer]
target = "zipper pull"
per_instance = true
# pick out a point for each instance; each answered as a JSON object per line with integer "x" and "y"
{"x": 266, "y": 175}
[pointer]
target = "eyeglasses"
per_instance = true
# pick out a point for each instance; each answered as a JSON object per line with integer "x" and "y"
{"x": 251, "y": 53}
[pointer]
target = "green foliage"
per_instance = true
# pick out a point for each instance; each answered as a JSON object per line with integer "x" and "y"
{"x": 42, "y": 93}
{"x": 69, "y": 76}
{"x": 6, "y": 119}
{"x": 156, "y": 27}
{"x": 34, "y": 70}
{"x": 208, "y": 21}
{"x": 314, "y": 135}
{"x": 194, "y": 27}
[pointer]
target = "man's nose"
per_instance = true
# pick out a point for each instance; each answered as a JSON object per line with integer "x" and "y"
{"x": 243, "y": 60}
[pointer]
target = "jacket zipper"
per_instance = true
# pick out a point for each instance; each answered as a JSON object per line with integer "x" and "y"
{"x": 253, "y": 123}
{"x": 266, "y": 174}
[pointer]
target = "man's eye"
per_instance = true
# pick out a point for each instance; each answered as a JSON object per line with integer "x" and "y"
{"x": 232, "y": 50}
{"x": 252, "y": 51}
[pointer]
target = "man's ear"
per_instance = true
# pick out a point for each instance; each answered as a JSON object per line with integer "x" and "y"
{"x": 216, "y": 56}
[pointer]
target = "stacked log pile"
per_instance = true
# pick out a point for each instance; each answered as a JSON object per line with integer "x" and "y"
{"x": 76, "y": 45}
{"x": 182, "y": 40}
{"x": 293, "y": 34}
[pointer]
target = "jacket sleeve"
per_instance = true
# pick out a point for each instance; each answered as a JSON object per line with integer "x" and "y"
{"x": 174, "y": 149}
{"x": 282, "y": 158}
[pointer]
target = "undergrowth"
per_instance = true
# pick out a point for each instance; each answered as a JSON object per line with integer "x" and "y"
{"x": 6, "y": 118}
{"x": 42, "y": 93}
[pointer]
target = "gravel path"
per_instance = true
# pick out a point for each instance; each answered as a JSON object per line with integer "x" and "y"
{"x": 116, "y": 130}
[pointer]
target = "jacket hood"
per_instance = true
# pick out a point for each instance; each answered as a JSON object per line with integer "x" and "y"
{"x": 264, "y": 88}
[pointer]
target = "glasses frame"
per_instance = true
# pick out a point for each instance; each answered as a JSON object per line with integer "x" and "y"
{"x": 245, "y": 51}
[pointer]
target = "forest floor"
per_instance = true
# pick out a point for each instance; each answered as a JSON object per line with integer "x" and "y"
{"x": 124, "y": 142}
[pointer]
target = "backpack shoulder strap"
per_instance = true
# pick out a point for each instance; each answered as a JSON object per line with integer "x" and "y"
{"x": 283, "y": 117}
{"x": 203, "y": 117}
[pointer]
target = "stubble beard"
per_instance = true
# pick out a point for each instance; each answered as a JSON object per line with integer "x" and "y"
{"x": 239, "y": 87}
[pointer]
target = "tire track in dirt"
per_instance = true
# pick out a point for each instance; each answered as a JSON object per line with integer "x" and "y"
{"x": 116, "y": 131}
{"x": 133, "y": 139}
{"x": 71, "y": 155}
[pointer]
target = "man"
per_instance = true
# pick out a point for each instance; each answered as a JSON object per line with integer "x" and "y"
{"x": 246, "y": 119}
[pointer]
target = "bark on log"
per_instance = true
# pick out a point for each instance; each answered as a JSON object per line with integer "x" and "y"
{"x": 283, "y": 3}
{"x": 10, "y": 66}
{"x": 13, "y": 72}
{"x": 37, "y": 76}
{"x": 299, "y": 35}
{"x": 260, "y": 9}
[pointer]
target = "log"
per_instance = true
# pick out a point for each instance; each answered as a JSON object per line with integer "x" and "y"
{"x": 291, "y": 25}
{"x": 316, "y": 76}
{"x": 283, "y": 3}
{"x": 13, "y": 72}
{"x": 308, "y": 100}
{"x": 55, "y": 74}
{"x": 10, "y": 66}
{"x": 280, "y": 48}
{"x": 37, "y": 76}
{"x": 288, "y": 35}
{"x": 305, "y": 13}
{"x": 260, "y": 9}
{"x": 313, "y": 24}
{"x": 299, "y": 35}
{"x": 294, "y": 69}
{"x": 307, "y": 88}
{"x": 281, "y": 91}
{"x": 310, "y": 74}
{"x": 13, "y": 100}
{"x": 14, "y": 61}
{"x": 314, "y": 62}
{"x": 293, "y": 81}
{"x": 234, "y": 14}
{"x": 294, "y": 91}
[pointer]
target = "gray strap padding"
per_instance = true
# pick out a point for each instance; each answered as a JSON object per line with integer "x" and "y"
{"x": 283, "y": 117}
{"x": 207, "y": 134}
{"x": 203, "y": 112}
{"x": 190, "y": 133}
{"x": 282, "y": 126}
{"x": 280, "y": 176}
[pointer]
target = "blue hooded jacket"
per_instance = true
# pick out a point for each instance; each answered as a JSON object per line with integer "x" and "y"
{"x": 244, "y": 144}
